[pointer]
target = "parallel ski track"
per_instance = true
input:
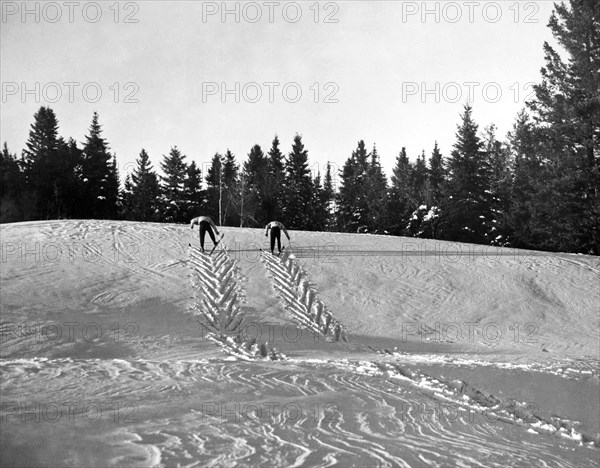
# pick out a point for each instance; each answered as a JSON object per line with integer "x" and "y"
{"x": 292, "y": 286}
{"x": 218, "y": 298}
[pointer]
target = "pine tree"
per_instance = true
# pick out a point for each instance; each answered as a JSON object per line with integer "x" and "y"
{"x": 11, "y": 187}
{"x": 399, "y": 198}
{"x": 274, "y": 186}
{"x": 418, "y": 182}
{"x": 298, "y": 190}
{"x": 126, "y": 199}
{"x": 419, "y": 192}
{"x": 500, "y": 187}
{"x": 466, "y": 209}
{"x": 174, "y": 169}
{"x": 526, "y": 166}
{"x": 145, "y": 191}
{"x": 39, "y": 164}
{"x": 72, "y": 189}
{"x": 436, "y": 176}
{"x": 567, "y": 110}
{"x": 112, "y": 186}
{"x": 353, "y": 200}
{"x": 329, "y": 200}
{"x": 99, "y": 174}
{"x": 230, "y": 189}
{"x": 319, "y": 205}
{"x": 376, "y": 194}
{"x": 255, "y": 192}
{"x": 214, "y": 189}
{"x": 192, "y": 191}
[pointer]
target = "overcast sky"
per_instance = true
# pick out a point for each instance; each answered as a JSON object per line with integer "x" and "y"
{"x": 388, "y": 72}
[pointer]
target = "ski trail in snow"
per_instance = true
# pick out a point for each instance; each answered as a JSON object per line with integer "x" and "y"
{"x": 299, "y": 298}
{"x": 218, "y": 299}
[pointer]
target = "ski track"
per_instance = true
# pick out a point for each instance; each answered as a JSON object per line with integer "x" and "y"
{"x": 361, "y": 413}
{"x": 299, "y": 297}
{"x": 375, "y": 411}
{"x": 218, "y": 297}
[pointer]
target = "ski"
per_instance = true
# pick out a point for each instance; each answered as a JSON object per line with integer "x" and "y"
{"x": 218, "y": 242}
{"x": 276, "y": 255}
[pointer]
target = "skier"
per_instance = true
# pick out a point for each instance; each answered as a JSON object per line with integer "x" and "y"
{"x": 276, "y": 227}
{"x": 206, "y": 224}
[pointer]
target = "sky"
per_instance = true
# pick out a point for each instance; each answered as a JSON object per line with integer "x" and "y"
{"x": 212, "y": 76}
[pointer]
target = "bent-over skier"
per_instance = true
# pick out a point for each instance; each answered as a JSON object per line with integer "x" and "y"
{"x": 206, "y": 225}
{"x": 276, "y": 227}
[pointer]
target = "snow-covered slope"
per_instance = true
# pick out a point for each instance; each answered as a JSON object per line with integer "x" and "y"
{"x": 350, "y": 349}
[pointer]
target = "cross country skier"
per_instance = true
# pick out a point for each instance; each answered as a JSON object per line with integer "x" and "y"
{"x": 276, "y": 227}
{"x": 206, "y": 224}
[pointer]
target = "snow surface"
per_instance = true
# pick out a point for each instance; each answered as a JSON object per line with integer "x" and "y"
{"x": 456, "y": 355}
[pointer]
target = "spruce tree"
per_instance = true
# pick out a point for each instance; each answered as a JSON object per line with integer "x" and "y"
{"x": 145, "y": 191}
{"x": 436, "y": 176}
{"x": 329, "y": 199}
{"x": 566, "y": 109}
{"x": 298, "y": 187}
{"x": 126, "y": 199}
{"x": 99, "y": 174}
{"x": 274, "y": 186}
{"x": 500, "y": 187}
{"x": 214, "y": 189}
{"x": 255, "y": 191}
{"x": 399, "y": 198}
{"x": 39, "y": 160}
{"x": 231, "y": 189}
{"x": 11, "y": 187}
{"x": 353, "y": 200}
{"x": 517, "y": 224}
{"x": 174, "y": 169}
{"x": 376, "y": 194}
{"x": 418, "y": 182}
{"x": 192, "y": 191}
{"x": 319, "y": 214}
{"x": 466, "y": 209}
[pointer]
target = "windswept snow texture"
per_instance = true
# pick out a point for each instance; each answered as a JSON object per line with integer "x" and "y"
{"x": 121, "y": 345}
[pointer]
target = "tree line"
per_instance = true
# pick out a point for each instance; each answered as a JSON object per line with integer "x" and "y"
{"x": 538, "y": 188}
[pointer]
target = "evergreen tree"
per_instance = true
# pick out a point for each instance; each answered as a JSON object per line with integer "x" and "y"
{"x": 39, "y": 164}
{"x": 466, "y": 209}
{"x": 112, "y": 184}
{"x": 500, "y": 186}
{"x": 11, "y": 187}
{"x": 145, "y": 191}
{"x": 100, "y": 193}
{"x": 298, "y": 190}
{"x": 255, "y": 193}
{"x": 399, "y": 198}
{"x": 329, "y": 200}
{"x": 419, "y": 193}
{"x": 353, "y": 200}
{"x": 230, "y": 189}
{"x": 192, "y": 191}
{"x": 346, "y": 197}
{"x": 418, "y": 182}
{"x": 214, "y": 189}
{"x": 72, "y": 189}
{"x": 436, "y": 176}
{"x": 376, "y": 194}
{"x": 174, "y": 169}
{"x": 274, "y": 186}
{"x": 516, "y": 225}
{"x": 567, "y": 110}
{"x": 126, "y": 199}
{"x": 319, "y": 205}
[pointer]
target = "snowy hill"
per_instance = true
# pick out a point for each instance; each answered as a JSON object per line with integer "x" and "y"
{"x": 388, "y": 351}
